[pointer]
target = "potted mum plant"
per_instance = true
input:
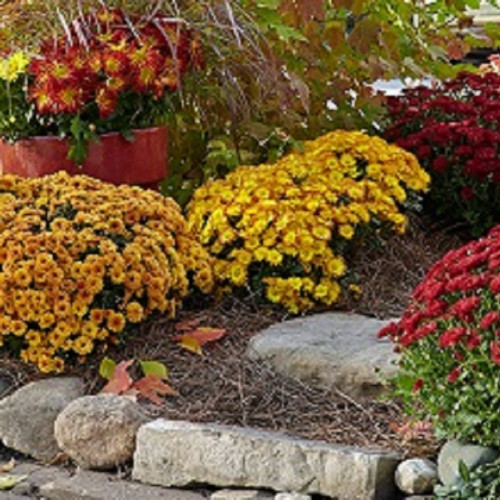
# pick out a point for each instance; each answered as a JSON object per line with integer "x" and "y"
{"x": 95, "y": 100}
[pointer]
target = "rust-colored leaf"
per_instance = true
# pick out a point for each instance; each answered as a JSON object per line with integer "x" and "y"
{"x": 152, "y": 388}
{"x": 183, "y": 326}
{"x": 120, "y": 381}
{"x": 456, "y": 49}
{"x": 202, "y": 335}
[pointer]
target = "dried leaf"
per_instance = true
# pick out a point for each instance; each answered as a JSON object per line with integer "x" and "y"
{"x": 8, "y": 466}
{"x": 120, "y": 381}
{"x": 190, "y": 344}
{"x": 187, "y": 325}
{"x": 152, "y": 388}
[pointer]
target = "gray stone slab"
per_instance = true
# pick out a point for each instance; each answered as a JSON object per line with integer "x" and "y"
{"x": 330, "y": 350}
{"x": 175, "y": 453}
{"x": 88, "y": 485}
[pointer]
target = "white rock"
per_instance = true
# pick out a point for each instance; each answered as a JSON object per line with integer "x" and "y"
{"x": 98, "y": 432}
{"x": 416, "y": 476}
{"x": 240, "y": 495}
{"x": 174, "y": 453}
{"x": 27, "y": 416}
{"x": 332, "y": 350}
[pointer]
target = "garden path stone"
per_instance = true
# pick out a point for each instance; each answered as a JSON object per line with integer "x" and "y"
{"x": 416, "y": 476}
{"x": 89, "y": 485}
{"x": 27, "y": 416}
{"x": 454, "y": 451}
{"x": 176, "y": 453}
{"x": 98, "y": 432}
{"x": 332, "y": 350}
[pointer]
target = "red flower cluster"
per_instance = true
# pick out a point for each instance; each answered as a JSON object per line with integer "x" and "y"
{"x": 454, "y": 131}
{"x": 107, "y": 55}
{"x": 458, "y": 303}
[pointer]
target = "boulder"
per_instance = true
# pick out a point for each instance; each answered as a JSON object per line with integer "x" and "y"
{"x": 292, "y": 496}
{"x": 175, "y": 453}
{"x": 416, "y": 476}
{"x": 27, "y": 416}
{"x": 98, "y": 432}
{"x": 453, "y": 452}
{"x": 331, "y": 350}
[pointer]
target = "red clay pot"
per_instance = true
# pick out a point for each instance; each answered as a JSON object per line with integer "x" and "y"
{"x": 112, "y": 159}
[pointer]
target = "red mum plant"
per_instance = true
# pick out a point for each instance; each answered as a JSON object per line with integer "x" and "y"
{"x": 453, "y": 129}
{"x": 108, "y": 72}
{"x": 449, "y": 340}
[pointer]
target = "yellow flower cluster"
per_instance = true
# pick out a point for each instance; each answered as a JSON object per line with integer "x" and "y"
{"x": 13, "y": 66}
{"x": 81, "y": 261}
{"x": 281, "y": 224}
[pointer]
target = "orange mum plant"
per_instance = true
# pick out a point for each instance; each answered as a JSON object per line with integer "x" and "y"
{"x": 82, "y": 261}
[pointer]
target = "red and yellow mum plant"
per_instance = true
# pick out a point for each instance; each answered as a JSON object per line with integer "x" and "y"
{"x": 108, "y": 72}
{"x": 449, "y": 339}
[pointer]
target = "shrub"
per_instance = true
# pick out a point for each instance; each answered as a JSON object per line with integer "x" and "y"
{"x": 82, "y": 261}
{"x": 283, "y": 230}
{"x": 449, "y": 339}
{"x": 453, "y": 130}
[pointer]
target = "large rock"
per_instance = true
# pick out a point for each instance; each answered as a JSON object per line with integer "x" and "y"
{"x": 332, "y": 350}
{"x": 416, "y": 476}
{"x": 174, "y": 453}
{"x": 98, "y": 432}
{"x": 27, "y": 416}
{"x": 454, "y": 452}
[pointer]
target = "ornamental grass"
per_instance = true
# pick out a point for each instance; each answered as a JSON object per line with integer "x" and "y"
{"x": 284, "y": 230}
{"x": 82, "y": 262}
{"x": 449, "y": 338}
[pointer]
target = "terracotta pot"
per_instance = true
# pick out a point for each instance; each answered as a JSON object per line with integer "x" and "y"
{"x": 112, "y": 159}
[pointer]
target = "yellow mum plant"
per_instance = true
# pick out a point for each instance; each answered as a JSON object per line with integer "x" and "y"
{"x": 81, "y": 261}
{"x": 284, "y": 229}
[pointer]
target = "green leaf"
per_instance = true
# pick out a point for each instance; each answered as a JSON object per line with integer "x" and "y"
{"x": 9, "y": 481}
{"x": 107, "y": 368}
{"x": 463, "y": 471}
{"x": 154, "y": 369}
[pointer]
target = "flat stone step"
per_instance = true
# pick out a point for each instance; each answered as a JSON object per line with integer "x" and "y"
{"x": 331, "y": 350}
{"x": 181, "y": 454}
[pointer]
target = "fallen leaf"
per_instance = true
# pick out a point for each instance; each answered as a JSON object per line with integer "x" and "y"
{"x": 107, "y": 368}
{"x": 152, "y": 388}
{"x": 195, "y": 339}
{"x": 187, "y": 325}
{"x": 8, "y": 466}
{"x": 120, "y": 381}
{"x": 154, "y": 369}
{"x": 10, "y": 480}
{"x": 190, "y": 344}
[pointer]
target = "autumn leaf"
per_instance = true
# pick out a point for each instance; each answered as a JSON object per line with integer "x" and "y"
{"x": 120, "y": 380}
{"x": 187, "y": 325}
{"x": 152, "y": 388}
{"x": 9, "y": 481}
{"x": 194, "y": 340}
{"x": 107, "y": 368}
{"x": 154, "y": 369}
{"x": 8, "y": 466}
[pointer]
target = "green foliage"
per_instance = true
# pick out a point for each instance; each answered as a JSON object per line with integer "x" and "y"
{"x": 482, "y": 482}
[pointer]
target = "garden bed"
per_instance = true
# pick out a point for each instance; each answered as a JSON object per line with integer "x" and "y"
{"x": 224, "y": 386}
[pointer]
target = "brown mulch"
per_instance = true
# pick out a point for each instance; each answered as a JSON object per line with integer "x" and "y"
{"x": 223, "y": 386}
